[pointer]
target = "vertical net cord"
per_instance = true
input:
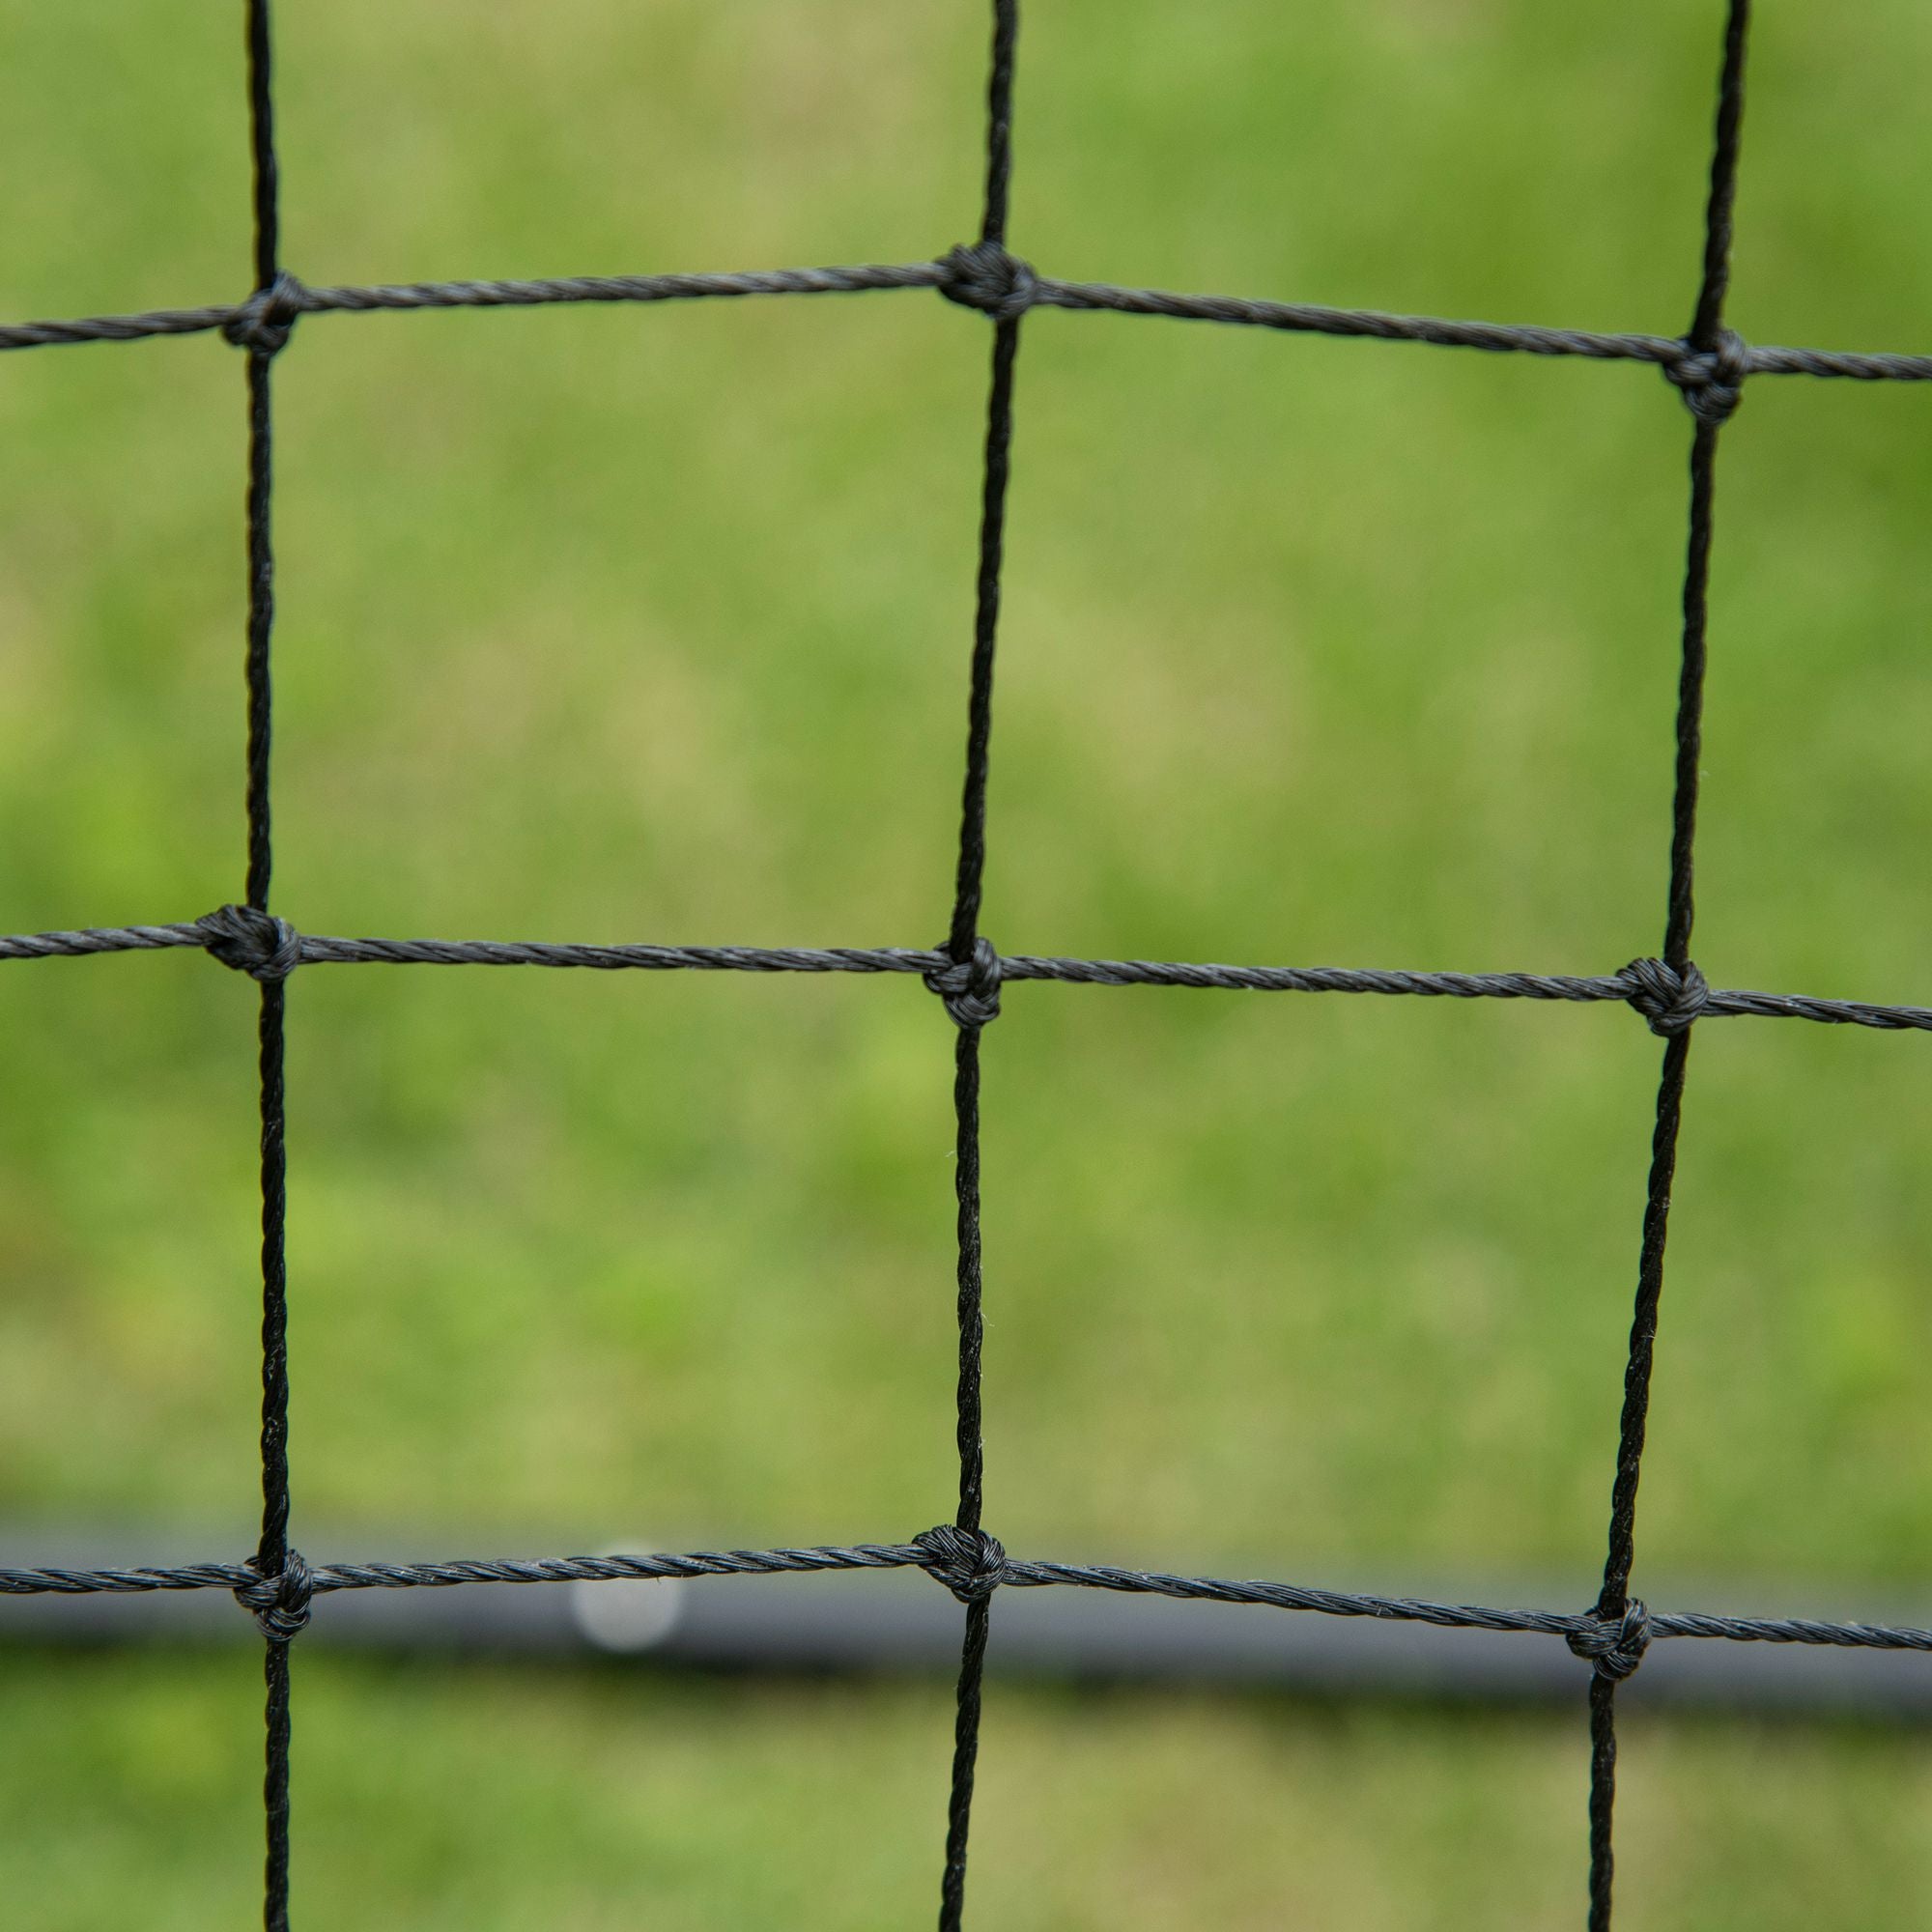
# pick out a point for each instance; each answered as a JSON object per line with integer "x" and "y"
{"x": 271, "y": 1557}
{"x": 1706, "y": 335}
{"x": 962, "y": 941}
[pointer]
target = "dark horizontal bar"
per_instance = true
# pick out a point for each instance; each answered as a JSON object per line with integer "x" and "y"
{"x": 1015, "y": 1572}
{"x": 1044, "y": 290}
{"x": 1611, "y": 988}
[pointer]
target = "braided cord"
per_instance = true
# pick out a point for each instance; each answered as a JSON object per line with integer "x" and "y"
{"x": 971, "y": 1566}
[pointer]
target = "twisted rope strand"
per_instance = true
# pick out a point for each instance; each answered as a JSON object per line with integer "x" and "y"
{"x": 1629, "y": 986}
{"x": 250, "y": 938}
{"x": 963, "y": 275}
{"x": 968, "y": 1572}
{"x": 297, "y": 298}
{"x": 1672, "y": 993}
{"x": 967, "y": 980}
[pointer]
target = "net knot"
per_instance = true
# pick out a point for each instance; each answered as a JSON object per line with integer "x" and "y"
{"x": 1711, "y": 380}
{"x": 280, "y": 1603}
{"x": 1669, "y": 999}
{"x": 970, "y": 988}
{"x": 983, "y": 275}
{"x": 264, "y": 321}
{"x": 1614, "y": 1645}
{"x": 969, "y": 1562}
{"x": 251, "y": 941}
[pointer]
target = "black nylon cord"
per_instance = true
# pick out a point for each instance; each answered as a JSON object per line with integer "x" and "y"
{"x": 1709, "y": 365}
{"x": 1000, "y": 121}
{"x": 275, "y": 1559}
{"x": 1712, "y": 399}
{"x": 965, "y": 1762}
{"x": 969, "y": 983}
{"x": 971, "y": 1566}
{"x": 241, "y": 938}
{"x": 960, "y": 275}
{"x": 262, "y": 334}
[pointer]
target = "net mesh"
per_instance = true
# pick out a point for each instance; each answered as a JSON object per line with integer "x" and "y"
{"x": 1709, "y": 365}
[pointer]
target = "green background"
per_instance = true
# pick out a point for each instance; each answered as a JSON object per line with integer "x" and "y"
{"x": 653, "y": 624}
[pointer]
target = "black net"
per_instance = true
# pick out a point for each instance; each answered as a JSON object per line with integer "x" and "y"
{"x": 1709, "y": 365}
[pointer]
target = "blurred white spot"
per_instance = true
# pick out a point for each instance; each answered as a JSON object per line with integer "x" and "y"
{"x": 630, "y": 1615}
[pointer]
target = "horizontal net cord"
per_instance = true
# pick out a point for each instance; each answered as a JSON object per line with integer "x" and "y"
{"x": 1638, "y": 985}
{"x": 999, "y": 283}
{"x": 314, "y": 950}
{"x": 290, "y": 299}
{"x": 1005, "y": 1572}
{"x": 323, "y": 1578}
{"x": 1467, "y": 1617}
{"x": 1667, "y": 352}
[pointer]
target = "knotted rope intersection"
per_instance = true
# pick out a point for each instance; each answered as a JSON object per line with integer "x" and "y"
{"x": 983, "y": 275}
{"x": 1669, "y": 997}
{"x": 1615, "y": 1647}
{"x": 251, "y": 941}
{"x": 1712, "y": 381}
{"x": 969, "y": 1562}
{"x": 280, "y": 1603}
{"x": 265, "y": 322}
{"x": 970, "y": 988}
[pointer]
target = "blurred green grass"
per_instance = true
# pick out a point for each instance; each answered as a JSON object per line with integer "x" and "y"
{"x": 477, "y": 1799}
{"x": 652, "y": 624}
